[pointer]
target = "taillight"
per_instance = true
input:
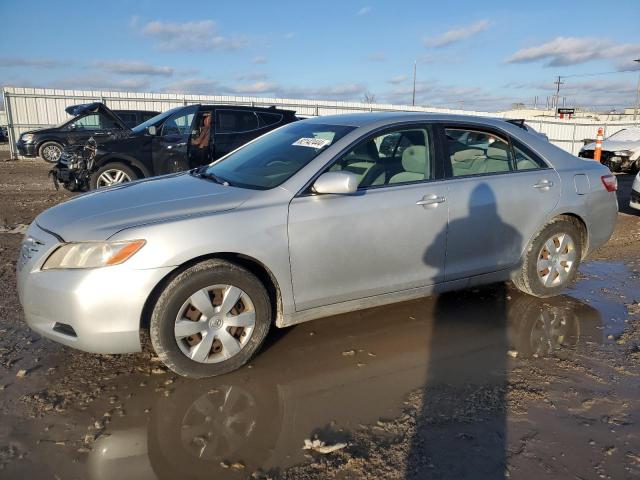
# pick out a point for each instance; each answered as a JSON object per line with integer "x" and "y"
{"x": 609, "y": 182}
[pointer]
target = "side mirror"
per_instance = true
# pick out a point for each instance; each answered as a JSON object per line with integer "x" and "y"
{"x": 336, "y": 182}
{"x": 151, "y": 130}
{"x": 73, "y": 126}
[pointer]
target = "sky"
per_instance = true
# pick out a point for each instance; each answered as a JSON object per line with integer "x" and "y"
{"x": 469, "y": 54}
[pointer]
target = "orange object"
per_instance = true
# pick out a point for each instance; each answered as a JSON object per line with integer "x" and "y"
{"x": 597, "y": 153}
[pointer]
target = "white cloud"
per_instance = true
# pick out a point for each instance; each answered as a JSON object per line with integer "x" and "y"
{"x": 364, "y": 11}
{"x": 398, "y": 79}
{"x": 457, "y": 34}
{"x": 32, "y": 62}
{"x": 259, "y": 60}
{"x": 251, "y": 77}
{"x": 191, "y": 36}
{"x": 133, "y": 68}
{"x": 199, "y": 86}
{"x": 563, "y": 51}
{"x": 289, "y": 35}
{"x": 254, "y": 88}
{"x": 101, "y": 82}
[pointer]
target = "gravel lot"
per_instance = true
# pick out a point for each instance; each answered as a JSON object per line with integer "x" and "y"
{"x": 485, "y": 383}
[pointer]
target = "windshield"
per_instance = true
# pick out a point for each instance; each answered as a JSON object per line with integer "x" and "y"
{"x": 275, "y": 157}
{"x": 154, "y": 120}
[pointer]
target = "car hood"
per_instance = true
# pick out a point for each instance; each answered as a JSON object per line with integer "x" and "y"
{"x": 615, "y": 145}
{"x": 97, "y": 215}
{"x": 42, "y": 130}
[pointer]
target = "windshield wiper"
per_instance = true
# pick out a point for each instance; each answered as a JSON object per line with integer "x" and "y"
{"x": 202, "y": 173}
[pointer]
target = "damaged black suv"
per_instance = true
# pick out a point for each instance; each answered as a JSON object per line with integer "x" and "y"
{"x": 179, "y": 139}
{"x": 89, "y": 120}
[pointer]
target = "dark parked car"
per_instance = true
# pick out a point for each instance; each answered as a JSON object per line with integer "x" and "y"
{"x": 4, "y": 135}
{"x": 179, "y": 139}
{"x": 89, "y": 120}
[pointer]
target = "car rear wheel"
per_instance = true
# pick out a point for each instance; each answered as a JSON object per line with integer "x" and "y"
{"x": 552, "y": 259}
{"x": 50, "y": 151}
{"x": 112, "y": 174}
{"x": 210, "y": 319}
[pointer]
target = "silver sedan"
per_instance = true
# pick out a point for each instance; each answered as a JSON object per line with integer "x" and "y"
{"x": 319, "y": 217}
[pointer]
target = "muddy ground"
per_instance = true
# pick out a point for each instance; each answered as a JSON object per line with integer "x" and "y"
{"x": 485, "y": 383}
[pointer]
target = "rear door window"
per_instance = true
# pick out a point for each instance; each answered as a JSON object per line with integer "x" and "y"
{"x": 475, "y": 152}
{"x": 235, "y": 121}
{"x": 267, "y": 119}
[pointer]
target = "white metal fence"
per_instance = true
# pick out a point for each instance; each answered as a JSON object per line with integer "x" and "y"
{"x": 30, "y": 108}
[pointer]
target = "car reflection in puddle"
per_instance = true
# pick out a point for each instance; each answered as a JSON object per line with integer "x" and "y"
{"x": 333, "y": 374}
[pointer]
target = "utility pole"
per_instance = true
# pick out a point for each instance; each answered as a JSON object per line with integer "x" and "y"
{"x": 413, "y": 101}
{"x": 557, "y": 96}
{"x": 635, "y": 110}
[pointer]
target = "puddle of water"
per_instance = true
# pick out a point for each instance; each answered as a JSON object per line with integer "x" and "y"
{"x": 331, "y": 375}
{"x": 608, "y": 287}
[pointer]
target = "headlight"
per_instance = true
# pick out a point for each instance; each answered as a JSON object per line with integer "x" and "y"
{"x": 622, "y": 153}
{"x": 92, "y": 254}
{"x": 27, "y": 137}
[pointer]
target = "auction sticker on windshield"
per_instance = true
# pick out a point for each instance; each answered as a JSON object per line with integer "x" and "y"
{"x": 312, "y": 142}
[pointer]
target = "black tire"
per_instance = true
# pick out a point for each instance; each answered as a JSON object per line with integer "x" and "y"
{"x": 528, "y": 279}
{"x": 112, "y": 166}
{"x": 176, "y": 293}
{"x": 47, "y": 151}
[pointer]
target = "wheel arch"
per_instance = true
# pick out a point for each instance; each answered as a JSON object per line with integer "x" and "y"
{"x": 39, "y": 143}
{"x": 574, "y": 218}
{"x": 579, "y": 222}
{"x": 261, "y": 271}
{"x": 127, "y": 160}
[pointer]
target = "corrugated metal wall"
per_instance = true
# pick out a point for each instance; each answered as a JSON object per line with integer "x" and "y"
{"x": 29, "y": 108}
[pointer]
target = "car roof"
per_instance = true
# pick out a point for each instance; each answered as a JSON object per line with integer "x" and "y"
{"x": 248, "y": 107}
{"x": 370, "y": 118}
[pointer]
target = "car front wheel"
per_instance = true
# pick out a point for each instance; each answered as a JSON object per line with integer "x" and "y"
{"x": 210, "y": 319}
{"x": 112, "y": 174}
{"x": 50, "y": 152}
{"x": 552, "y": 259}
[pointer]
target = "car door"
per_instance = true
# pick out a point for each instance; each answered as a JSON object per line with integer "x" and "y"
{"x": 499, "y": 194}
{"x": 170, "y": 147}
{"x": 388, "y": 237}
{"x": 232, "y": 129}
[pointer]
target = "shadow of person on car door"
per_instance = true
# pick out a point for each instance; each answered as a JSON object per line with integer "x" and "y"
{"x": 461, "y": 423}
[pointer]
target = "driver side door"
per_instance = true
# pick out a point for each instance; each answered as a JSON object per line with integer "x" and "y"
{"x": 170, "y": 149}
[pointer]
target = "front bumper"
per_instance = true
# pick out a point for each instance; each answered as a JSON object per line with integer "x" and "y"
{"x": 99, "y": 309}
{"x": 26, "y": 149}
{"x": 634, "y": 202}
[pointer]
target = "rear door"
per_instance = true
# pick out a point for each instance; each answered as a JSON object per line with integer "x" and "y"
{"x": 170, "y": 147}
{"x": 232, "y": 129}
{"x": 499, "y": 193}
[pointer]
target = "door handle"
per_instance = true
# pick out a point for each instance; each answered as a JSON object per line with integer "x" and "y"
{"x": 543, "y": 184}
{"x": 431, "y": 201}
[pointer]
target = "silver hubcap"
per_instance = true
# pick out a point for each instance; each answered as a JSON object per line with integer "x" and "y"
{"x": 215, "y": 323}
{"x": 556, "y": 259}
{"x": 112, "y": 177}
{"x": 548, "y": 333}
{"x": 217, "y": 425}
{"x": 51, "y": 153}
